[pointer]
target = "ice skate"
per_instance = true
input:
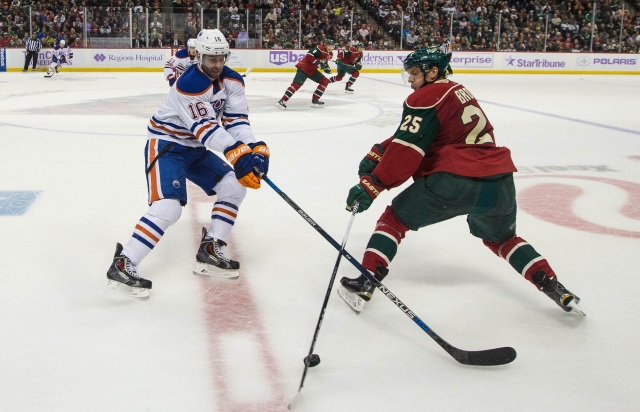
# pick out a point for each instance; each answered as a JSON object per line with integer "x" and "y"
{"x": 355, "y": 292}
{"x": 317, "y": 103}
{"x": 557, "y": 292}
{"x": 56, "y": 69}
{"x": 348, "y": 89}
{"x": 122, "y": 274}
{"x": 211, "y": 261}
{"x": 567, "y": 300}
{"x": 281, "y": 105}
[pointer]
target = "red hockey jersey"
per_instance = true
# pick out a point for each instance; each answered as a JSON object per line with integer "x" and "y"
{"x": 443, "y": 129}
{"x": 351, "y": 56}
{"x": 313, "y": 59}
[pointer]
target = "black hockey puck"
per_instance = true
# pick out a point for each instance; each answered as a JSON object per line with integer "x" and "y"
{"x": 313, "y": 360}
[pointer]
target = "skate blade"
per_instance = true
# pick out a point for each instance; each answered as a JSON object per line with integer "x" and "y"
{"x": 575, "y": 308}
{"x": 354, "y": 301}
{"x": 134, "y": 292}
{"x": 202, "y": 269}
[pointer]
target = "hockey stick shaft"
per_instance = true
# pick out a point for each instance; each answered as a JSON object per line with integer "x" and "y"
{"x": 488, "y": 357}
{"x": 327, "y": 295}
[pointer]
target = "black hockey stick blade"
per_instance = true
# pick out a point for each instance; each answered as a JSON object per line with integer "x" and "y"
{"x": 486, "y": 357}
{"x": 489, "y": 357}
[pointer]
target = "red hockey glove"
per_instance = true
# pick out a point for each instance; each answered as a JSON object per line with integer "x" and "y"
{"x": 364, "y": 193}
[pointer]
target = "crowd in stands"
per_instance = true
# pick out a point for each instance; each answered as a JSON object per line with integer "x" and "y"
{"x": 521, "y": 25}
{"x": 483, "y": 25}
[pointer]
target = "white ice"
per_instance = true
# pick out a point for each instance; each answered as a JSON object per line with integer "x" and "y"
{"x": 69, "y": 344}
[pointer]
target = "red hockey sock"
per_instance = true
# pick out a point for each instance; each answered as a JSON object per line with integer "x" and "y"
{"x": 521, "y": 256}
{"x": 290, "y": 91}
{"x": 384, "y": 242}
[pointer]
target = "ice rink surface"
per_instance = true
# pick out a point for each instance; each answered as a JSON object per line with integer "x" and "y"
{"x": 73, "y": 185}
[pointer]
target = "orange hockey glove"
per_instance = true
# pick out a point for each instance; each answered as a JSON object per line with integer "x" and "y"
{"x": 240, "y": 156}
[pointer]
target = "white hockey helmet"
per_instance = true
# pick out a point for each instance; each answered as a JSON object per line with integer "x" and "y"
{"x": 212, "y": 42}
{"x": 191, "y": 43}
{"x": 62, "y": 43}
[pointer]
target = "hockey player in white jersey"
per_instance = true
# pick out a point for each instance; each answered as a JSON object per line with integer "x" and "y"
{"x": 61, "y": 54}
{"x": 205, "y": 111}
{"x": 180, "y": 62}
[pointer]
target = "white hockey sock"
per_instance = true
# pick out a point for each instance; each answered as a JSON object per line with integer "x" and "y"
{"x": 150, "y": 229}
{"x": 145, "y": 237}
{"x": 223, "y": 217}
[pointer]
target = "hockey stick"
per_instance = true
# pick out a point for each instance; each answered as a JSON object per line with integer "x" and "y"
{"x": 487, "y": 357}
{"x": 308, "y": 362}
{"x": 313, "y": 359}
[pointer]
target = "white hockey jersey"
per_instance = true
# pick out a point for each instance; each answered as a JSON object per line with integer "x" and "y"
{"x": 178, "y": 64}
{"x": 61, "y": 54}
{"x": 198, "y": 112}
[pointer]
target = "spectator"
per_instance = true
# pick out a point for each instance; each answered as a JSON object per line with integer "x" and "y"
{"x": 138, "y": 42}
{"x": 77, "y": 42}
{"x": 155, "y": 24}
{"x": 105, "y": 29}
{"x": 158, "y": 42}
{"x": 411, "y": 40}
{"x": 5, "y": 40}
{"x": 364, "y": 34}
{"x": 169, "y": 35}
{"x": 271, "y": 17}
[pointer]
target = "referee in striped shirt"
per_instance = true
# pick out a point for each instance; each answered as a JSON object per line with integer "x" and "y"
{"x": 33, "y": 46}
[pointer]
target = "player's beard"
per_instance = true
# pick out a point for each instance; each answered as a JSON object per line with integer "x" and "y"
{"x": 211, "y": 72}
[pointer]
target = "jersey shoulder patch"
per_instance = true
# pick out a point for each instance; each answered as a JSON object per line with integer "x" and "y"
{"x": 182, "y": 53}
{"x": 230, "y": 74}
{"x": 193, "y": 81}
{"x": 430, "y": 95}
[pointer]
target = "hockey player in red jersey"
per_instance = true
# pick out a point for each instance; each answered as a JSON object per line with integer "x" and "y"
{"x": 446, "y": 143}
{"x": 349, "y": 61}
{"x": 308, "y": 68}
